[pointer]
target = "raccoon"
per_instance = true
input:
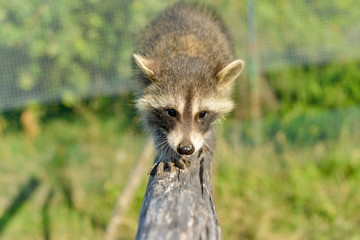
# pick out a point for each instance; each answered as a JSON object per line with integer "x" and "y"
{"x": 185, "y": 67}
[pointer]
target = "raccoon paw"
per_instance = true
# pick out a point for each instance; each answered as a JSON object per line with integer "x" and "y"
{"x": 182, "y": 164}
{"x": 170, "y": 166}
{"x": 157, "y": 168}
{"x": 160, "y": 167}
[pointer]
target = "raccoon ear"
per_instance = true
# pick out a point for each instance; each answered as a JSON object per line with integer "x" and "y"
{"x": 229, "y": 73}
{"x": 144, "y": 64}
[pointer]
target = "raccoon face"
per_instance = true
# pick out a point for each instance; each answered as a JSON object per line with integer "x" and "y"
{"x": 189, "y": 131}
{"x": 185, "y": 128}
{"x": 183, "y": 105}
{"x": 184, "y": 116}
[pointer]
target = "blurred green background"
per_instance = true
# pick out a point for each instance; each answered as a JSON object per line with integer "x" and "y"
{"x": 287, "y": 164}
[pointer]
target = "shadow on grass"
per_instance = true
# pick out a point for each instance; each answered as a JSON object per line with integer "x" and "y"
{"x": 45, "y": 215}
{"x": 24, "y": 195}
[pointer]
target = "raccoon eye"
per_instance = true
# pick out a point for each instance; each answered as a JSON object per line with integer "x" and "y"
{"x": 171, "y": 112}
{"x": 203, "y": 114}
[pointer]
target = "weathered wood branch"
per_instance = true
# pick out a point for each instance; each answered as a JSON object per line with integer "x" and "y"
{"x": 179, "y": 204}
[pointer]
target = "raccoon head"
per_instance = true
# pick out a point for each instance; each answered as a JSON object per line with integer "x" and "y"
{"x": 181, "y": 107}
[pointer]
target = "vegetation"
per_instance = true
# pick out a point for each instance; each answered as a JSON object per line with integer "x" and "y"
{"x": 278, "y": 190}
{"x": 63, "y": 166}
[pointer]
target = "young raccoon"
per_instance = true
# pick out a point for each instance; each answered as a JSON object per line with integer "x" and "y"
{"x": 185, "y": 65}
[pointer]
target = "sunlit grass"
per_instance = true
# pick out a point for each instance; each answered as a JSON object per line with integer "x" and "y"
{"x": 300, "y": 192}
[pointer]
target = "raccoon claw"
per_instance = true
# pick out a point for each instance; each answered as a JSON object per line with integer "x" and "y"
{"x": 187, "y": 163}
{"x": 180, "y": 164}
{"x": 170, "y": 166}
{"x": 160, "y": 167}
{"x": 183, "y": 164}
{"x": 154, "y": 169}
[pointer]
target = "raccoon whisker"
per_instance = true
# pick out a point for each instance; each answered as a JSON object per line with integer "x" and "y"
{"x": 160, "y": 144}
{"x": 208, "y": 146}
{"x": 160, "y": 150}
{"x": 216, "y": 156}
{"x": 159, "y": 141}
{"x": 165, "y": 151}
{"x": 206, "y": 149}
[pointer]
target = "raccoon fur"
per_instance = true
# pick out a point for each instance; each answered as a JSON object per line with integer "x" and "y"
{"x": 185, "y": 67}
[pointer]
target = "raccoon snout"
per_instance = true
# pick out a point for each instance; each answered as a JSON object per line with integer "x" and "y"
{"x": 185, "y": 149}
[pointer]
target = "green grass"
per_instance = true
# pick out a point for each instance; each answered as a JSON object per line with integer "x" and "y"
{"x": 300, "y": 192}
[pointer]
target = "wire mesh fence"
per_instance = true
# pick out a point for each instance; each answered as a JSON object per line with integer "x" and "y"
{"x": 61, "y": 51}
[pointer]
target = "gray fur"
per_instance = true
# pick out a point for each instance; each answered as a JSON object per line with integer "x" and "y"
{"x": 184, "y": 62}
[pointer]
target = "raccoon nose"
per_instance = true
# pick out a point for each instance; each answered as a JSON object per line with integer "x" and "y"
{"x": 185, "y": 149}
